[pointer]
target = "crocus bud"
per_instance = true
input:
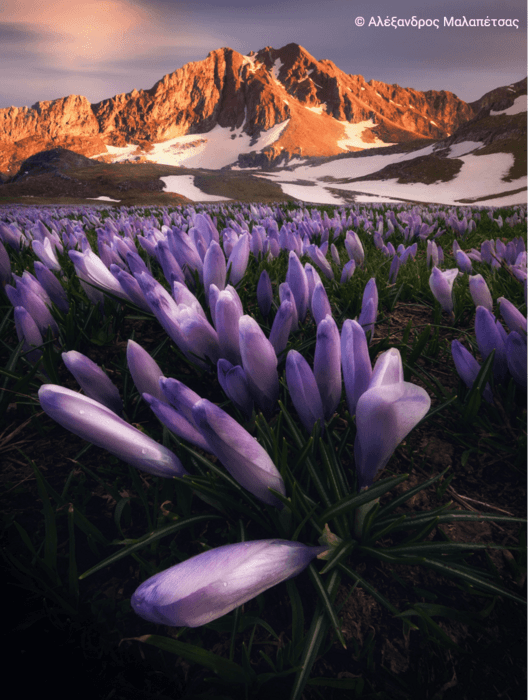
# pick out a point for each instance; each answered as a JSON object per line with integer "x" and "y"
{"x": 242, "y": 455}
{"x": 99, "y": 425}
{"x": 489, "y": 338}
{"x": 287, "y": 295}
{"x": 370, "y": 302}
{"x": 28, "y": 332}
{"x": 385, "y": 414}
{"x": 303, "y": 390}
{"x": 441, "y": 284}
{"x": 91, "y": 270}
{"x": 319, "y": 259}
{"x": 467, "y": 368}
{"x": 233, "y": 381}
{"x": 145, "y": 372}
{"x": 463, "y": 262}
{"x": 320, "y": 306}
{"x": 93, "y": 380}
{"x": 327, "y": 365}
{"x": 281, "y": 326}
{"x": 260, "y": 364}
{"x": 355, "y": 359}
{"x": 213, "y": 583}
{"x": 513, "y": 318}
{"x": 53, "y": 287}
{"x": 176, "y": 422}
{"x": 354, "y": 247}
{"x": 214, "y": 268}
{"x": 516, "y": 356}
{"x": 264, "y": 293}
{"x": 238, "y": 260}
{"x": 227, "y": 315}
{"x": 46, "y": 254}
{"x": 480, "y": 292}
{"x": 347, "y": 271}
{"x": 297, "y": 281}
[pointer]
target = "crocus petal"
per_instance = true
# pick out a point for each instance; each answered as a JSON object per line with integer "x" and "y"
{"x": 327, "y": 366}
{"x": 297, "y": 281}
{"x": 303, "y": 390}
{"x": 227, "y": 315}
{"x": 145, "y": 372}
{"x": 281, "y": 326}
{"x": 93, "y": 380}
{"x": 239, "y": 452}
{"x": 238, "y": 260}
{"x": 355, "y": 359}
{"x": 175, "y": 421}
{"x": 489, "y": 338}
{"x": 388, "y": 369}
{"x": 214, "y": 268}
{"x": 516, "y": 355}
{"x": 513, "y": 318}
{"x": 320, "y": 306}
{"x": 260, "y": 364}
{"x": 233, "y": 381}
{"x": 467, "y": 368}
{"x": 442, "y": 288}
{"x": 384, "y": 416}
{"x": 99, "y": 425}
{"x": 480, "y": 292}
{"x": 213, "y": 583}
{"x": 28, "y": 332}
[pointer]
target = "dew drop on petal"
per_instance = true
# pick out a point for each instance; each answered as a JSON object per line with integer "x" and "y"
{"x": 81, "y": 413}
{"x": 144, "y": 451}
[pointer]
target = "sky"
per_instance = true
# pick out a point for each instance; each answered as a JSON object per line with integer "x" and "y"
{"x": 99, "y": 48}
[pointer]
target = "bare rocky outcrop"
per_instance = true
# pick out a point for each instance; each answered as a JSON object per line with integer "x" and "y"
{"x": 253, "y": 93}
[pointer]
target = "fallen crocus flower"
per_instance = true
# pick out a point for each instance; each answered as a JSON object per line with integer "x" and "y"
{"x": 241, "y": 455}
{"x": 385, "y": 414}
{"x": 212, "y": 584}
{"x": 97, "y": 424}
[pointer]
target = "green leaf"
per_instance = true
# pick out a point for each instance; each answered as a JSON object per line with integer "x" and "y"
{"x": 228, "y": 670}
{"x": 149, "y": 539}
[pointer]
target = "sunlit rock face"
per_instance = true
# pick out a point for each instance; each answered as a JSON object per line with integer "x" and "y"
{"x": 326, "y": 111}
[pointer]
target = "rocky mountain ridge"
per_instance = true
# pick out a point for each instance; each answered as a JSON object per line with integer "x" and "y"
{"x": 254, "y": 93}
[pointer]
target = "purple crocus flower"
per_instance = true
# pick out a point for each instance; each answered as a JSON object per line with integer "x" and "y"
{"x": 5, "y": 266}
{"x": 320, "y": 306}
{"x": 513, "y": 318}
{"x": 99, "y": 425}
{"x": 93, "y": 380}
{"x": 298, "y": 284}
{"x": 370, "y": 302}
{"x": 467, "y": 368}
{"x": 354, "y": 247}
{"x": 281, "y": 326}
{"x": 213, "y": 583}
{"x": 242, "y": 455}
{"x": 441, "y": 284}
{"x": 516, "y": 356}
{"x": 53, "y": 287}
{"x": 45, "y": 252}
{"x": 264, "y": 293}
{"x": 490, "y": 338}
{"x": 233, "y": 381}
{"x": 287, "y": 295}
{"x": 463, "y": 262}
{"x": 480, "y": 292}
{"x": 327, "y": 366}
{"x": 28, "y": 332}
{"x": 145, "y": 372}
{"x": 386, "y": 412}
{"x": 394, "y": 269}
{"x": 176, "y": 422}
{"x": 356, "y": 365}
{"x": 238, "y": 260}
{"x": 304, "y": 391}
{"x": 91, "y": 270}
{"x": 347, "y": 271}
{"x": 214, "y": 268}
{"x": 260, "y": 364}
{"x": 227, "y": 315}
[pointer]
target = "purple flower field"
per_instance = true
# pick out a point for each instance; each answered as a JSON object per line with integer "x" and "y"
{"x": 255, "y": 450}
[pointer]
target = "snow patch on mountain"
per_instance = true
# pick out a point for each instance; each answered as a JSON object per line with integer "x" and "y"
{"x": 520, "y": 104}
